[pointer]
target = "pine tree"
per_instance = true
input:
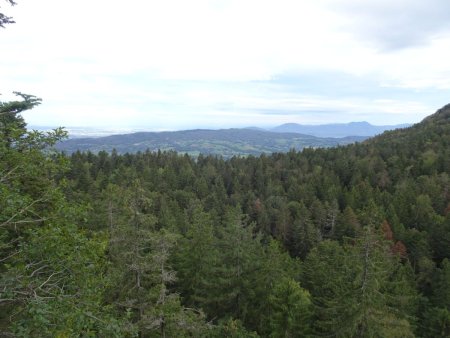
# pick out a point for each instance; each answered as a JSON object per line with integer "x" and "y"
{"x": 272, "y": 267}
{"x": 304, "y": 235}
{"x": 130, "y": 235}
{"x": 142, "y": 274}
{"x": 167, "y": 317}
{"x": 239, "y": 252}
{"x": 291, "y": 310}
{"x": 347, "y": 225}
{"x": 361, "y": 290}
{"x": 196, "y": 261}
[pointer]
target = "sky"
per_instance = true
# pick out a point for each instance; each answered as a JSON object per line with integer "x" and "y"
{"x": 177, "y": 64}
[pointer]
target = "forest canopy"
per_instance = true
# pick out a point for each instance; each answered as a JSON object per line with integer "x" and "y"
{"x": 351, "y": 241}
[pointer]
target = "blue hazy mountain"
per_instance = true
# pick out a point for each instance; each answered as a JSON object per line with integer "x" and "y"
{"x": 337, "y": 129}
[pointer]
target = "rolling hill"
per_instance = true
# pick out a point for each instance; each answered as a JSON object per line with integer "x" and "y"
{"x": 224, "y": 142}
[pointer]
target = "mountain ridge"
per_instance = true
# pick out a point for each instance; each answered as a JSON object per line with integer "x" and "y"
{"x": 357, "y": 128}
{"x": 224, "y": 142}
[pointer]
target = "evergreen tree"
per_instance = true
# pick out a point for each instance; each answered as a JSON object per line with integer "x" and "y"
{"x": 436, "y": 323}
{"x": 441, "y": 291}
{"x": 347, "y": 225}
{"x": 239, "y": 251}
{"x": 361, "y": 290}
{"x": 196, "y": 262}
{"x": 304, "y": 235}
{"x": 141, "y": 275}
{"x": 291, "y": 310}
{"x": 272, "y": 267}
{"x": 167, "y": 317}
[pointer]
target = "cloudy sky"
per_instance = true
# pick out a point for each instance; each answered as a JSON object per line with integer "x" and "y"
{"x": 177, "y": 64}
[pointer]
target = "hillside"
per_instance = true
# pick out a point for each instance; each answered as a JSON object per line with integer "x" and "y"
{"x": 421, "y": 148}
{"x": 380, "y": 206}
{"x": 337, "y": 129}
{"x": 224, "y": 142}
{"x": 352, "y": 240}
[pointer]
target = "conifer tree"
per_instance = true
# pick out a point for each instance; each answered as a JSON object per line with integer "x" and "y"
{"x": 141, "y": 273}
{"x": 196, "y": 261}
{"x": 239, "y": 253}
{"x": 304, "y": 235}
{"x": 291, "y": 310}
{"x": 361, "y": 290}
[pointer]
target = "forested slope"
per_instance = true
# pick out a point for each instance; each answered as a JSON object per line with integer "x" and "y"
{"x": 223, "y": 142}
{"x": 352, "y": 241}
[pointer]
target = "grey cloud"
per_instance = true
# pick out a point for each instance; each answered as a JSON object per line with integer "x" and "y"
{"x": 393, "y": 25}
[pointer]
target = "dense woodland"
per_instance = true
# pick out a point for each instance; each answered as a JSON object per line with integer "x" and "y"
{"x": 352, "y": 241}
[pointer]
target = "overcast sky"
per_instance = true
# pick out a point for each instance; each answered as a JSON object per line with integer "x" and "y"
{"x": 177, "y": 64}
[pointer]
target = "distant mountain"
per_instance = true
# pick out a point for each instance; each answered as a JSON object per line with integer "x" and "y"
{"x": 336, "y": 129}
{"x": 224, "y": 142}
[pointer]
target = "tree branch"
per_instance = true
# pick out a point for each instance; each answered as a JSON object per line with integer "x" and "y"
{"x": 21, "y": 211}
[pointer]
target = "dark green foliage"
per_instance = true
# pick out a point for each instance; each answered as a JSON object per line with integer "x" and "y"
{"x": 231, "y": 329}
{"x": 440, "y": 238}
{"x": 140, "y": 274}
{"x": 57, "y": 283}
{"x": 52, "y": 273}
{"x": 228, "y": 214}
{"x": 304, "y": 235}
{"x": 197, "y": 261}
{"x": 291, "y": 310}
{"x": 361, "y": 289}
{"x": 441, "y": 292}
{"x": 436, "y": 323}
{"x": 159, "y": 244}
{"x": 347, "y": 225}
{"x": 239, "y": 259}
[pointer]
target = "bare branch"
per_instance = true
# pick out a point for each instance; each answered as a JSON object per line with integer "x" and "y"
{"x": 38, "y": 269}
{"x": 5, "y": 176}
{"x": 48, "y": 279}
{"x": 11, "y": 255}
{"x": 23, "y": 210}
{"x": 30, "y": 221}
{"x": 4, "y": 300}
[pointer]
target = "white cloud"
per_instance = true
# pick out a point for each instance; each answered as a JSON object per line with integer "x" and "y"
{"x": 115, "y": 62}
